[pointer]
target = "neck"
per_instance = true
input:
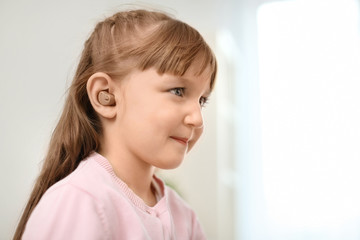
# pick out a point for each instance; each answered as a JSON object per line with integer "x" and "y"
{"x": 135, "y": 173}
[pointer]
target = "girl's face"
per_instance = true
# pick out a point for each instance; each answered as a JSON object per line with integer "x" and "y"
{"x": 159, "y": 117}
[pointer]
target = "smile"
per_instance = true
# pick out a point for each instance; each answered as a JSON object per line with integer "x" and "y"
{"x": 183, "y": 141}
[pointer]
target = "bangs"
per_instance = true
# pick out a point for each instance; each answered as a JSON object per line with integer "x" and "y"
{"x": 172, "y": 47}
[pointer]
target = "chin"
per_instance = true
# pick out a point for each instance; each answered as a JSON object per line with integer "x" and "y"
{"x": 170, "y": 164}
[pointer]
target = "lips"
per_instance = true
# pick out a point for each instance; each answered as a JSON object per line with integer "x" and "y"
{"x": 181, "y": 140}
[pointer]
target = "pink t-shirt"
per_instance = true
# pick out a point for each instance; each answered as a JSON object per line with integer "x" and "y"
{"x": 93, "y": 203}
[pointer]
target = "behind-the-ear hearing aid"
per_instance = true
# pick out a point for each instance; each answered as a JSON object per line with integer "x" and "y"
{"x": 106, "y": 99}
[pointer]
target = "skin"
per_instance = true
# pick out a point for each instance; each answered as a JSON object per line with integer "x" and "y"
{"x": 155, "y": 121}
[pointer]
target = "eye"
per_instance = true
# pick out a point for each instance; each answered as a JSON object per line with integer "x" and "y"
{"x": 178, "y": 91}
{"x": 203, "y": 101}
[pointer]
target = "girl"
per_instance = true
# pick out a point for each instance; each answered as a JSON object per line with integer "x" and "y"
{"x": 134, "y": 105}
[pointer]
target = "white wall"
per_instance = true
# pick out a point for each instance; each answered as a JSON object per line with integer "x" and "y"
{"x": 40, "y": 42}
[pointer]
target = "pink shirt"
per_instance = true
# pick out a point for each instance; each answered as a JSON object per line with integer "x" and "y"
{"x": 93, "y": 203}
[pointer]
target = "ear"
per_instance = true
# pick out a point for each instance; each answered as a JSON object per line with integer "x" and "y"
{"x": 101, "y": 82}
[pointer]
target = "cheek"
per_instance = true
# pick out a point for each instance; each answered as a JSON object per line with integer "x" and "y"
{"x": 196, "y": 137}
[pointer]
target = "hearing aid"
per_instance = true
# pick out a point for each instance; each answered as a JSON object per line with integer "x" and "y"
{"x": 106, "y": 99}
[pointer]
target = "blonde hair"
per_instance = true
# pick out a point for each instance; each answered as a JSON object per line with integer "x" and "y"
{"x": 127, "y": 40}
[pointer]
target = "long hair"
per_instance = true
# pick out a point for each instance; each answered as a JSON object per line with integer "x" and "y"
{"x": 127, "y": 40}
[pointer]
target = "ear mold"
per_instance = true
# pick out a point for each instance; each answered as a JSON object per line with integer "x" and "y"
{"x": 106, "y": 99}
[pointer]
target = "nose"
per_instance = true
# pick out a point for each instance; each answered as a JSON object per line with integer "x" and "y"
{"x": 194, "y": 116}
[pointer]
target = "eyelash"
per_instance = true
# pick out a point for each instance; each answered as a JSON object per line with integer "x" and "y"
{"x": 176, "y": 92}
{"x": 181, "y": 91}
{"x": 203, "y": 101}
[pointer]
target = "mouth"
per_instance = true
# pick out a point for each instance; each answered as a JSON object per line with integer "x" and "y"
{"x": 181, "y": 140}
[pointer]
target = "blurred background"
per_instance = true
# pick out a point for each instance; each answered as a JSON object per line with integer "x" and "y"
{"x": 280, "y": 156}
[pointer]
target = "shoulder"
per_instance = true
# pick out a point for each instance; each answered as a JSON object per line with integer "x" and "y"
{"x": 89, "y": 182}
{"x": 90, "y": 179}
{"x": 67, "y": 212}
{"x": 73, "y": 207}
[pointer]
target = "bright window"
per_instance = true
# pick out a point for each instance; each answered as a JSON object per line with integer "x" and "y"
{"x": 310, "y": 118}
